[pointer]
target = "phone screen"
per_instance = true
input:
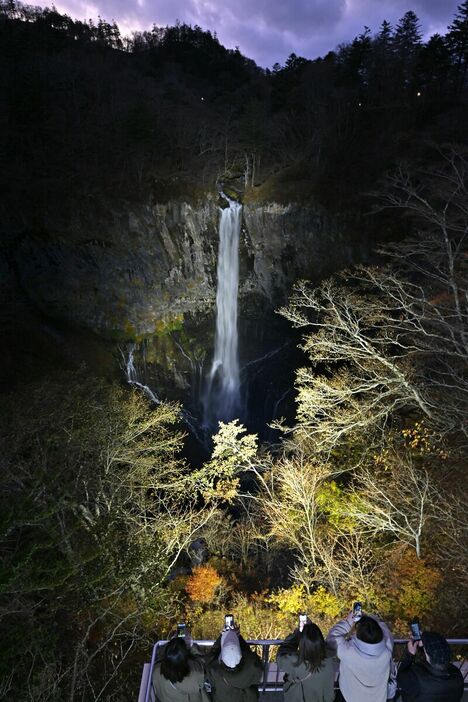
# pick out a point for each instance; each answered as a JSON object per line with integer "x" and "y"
{"x": 415, "y": 631}
{"x": 302, "y": 621}
{"x": 357, "y": 610}
{"x": 181, "y": 630}
{"x": 228, "y": 621}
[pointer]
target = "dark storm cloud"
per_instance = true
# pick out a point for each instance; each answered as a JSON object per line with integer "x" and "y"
{"x": 294, "y": 16}
{"x": 269, "y": 30}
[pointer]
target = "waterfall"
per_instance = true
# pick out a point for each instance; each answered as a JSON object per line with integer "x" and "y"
{"x": 132, "y": 376}
{"x": 222, "y": 393}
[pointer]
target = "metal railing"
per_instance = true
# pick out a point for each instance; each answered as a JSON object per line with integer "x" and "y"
{"x": 272, "y": 680}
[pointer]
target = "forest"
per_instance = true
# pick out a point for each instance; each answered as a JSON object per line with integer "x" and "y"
{"x": 109, "y": 536}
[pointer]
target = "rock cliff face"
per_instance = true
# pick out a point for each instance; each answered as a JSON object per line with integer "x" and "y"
{"x": 127, "y": 270}
{"x": 289, "y": 243}
{"x": 133, "y": 268}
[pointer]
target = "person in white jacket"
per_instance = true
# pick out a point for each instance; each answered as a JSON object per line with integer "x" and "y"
{"x": 364, "y": 649}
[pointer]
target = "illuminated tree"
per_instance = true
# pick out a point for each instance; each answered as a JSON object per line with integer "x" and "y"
{"x": 203, "y": 584}
{"x": 96, "y": 509}
{"x": 393, "y": 339}
{"x": 395, "y": 497}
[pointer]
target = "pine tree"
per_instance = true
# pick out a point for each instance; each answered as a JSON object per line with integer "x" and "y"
{"x": 433, "y": 66}
{"x": 406, "y": 45}
{"x": 355, "y": 59}
{"x": 384, "y": 37}
{"x": 408, "y": 35}
{"x": 457, "y": 40}
{"x": 382, "y": 61}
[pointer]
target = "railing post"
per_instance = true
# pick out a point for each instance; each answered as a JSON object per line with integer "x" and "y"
{"x": 266, "y": 664}
{"x": 150, "y": 675}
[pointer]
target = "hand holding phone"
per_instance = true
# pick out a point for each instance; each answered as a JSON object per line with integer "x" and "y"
{"x": 302, "y": 621}
{"x": 415, "y": 629}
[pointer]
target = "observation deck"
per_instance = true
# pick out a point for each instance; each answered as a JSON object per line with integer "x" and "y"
{"x": 271, "y": 685}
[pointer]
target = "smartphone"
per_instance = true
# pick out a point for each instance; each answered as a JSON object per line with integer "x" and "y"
{"x": 302, "y": 621}
{"x": 415, "y": 630}
{"x": 228, "y": 621}
{"x": 181, "y": 630}
{"x": 357, "y": 611}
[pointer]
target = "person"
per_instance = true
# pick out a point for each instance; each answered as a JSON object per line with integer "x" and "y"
{"x": 179, "y": 676}
{"x": 309, "y": 670}
{"x": 364, "y": 649}
{"x": 234, "y": 670}
{"x": 433, "y": 679}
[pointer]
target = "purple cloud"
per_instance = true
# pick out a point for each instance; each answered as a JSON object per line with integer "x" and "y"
{"x": 268, "y": 30}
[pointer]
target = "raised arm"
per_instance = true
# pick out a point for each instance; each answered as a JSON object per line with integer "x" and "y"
{"x": 338, "y": 633}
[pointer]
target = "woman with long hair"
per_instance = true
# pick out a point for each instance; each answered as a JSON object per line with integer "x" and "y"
{"x": 308, "y": 668}
{"x": 179, "y": 676}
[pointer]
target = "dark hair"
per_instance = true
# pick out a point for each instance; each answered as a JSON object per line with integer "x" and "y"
{"x": 312, "y": 649}
{"x": 175, "y": 662}
{"x": 369, "y": 630}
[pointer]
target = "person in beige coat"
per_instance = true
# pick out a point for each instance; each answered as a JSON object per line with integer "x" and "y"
{"x": 179, "y": 676}
{"x": 364, "y": 649}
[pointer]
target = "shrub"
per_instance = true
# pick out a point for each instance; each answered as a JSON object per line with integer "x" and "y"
{"x": 203, "y": 584}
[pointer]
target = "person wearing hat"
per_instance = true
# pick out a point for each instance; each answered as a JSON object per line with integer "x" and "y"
{"x": 364, "y": 648}
{"x": 234, "y": 670}
{"x": 433, "y": 679}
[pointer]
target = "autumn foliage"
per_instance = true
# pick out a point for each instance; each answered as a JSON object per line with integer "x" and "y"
{"x": 203, "y": 584}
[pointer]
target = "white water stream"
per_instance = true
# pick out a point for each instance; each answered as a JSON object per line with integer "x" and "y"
{"x": 132, "y": 376}
{"x": 222, "y": 393}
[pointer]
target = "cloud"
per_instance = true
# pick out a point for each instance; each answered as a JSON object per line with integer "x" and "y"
{"x": 268, "y": 30}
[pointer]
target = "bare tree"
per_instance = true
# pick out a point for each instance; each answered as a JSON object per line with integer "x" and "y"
{"x": 392, "y": 339}
{"x": 395, "y": 497}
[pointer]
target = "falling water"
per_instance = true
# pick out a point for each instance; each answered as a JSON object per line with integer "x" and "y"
{"x": 132, "y": 376}
{"x": 222, "y": 393}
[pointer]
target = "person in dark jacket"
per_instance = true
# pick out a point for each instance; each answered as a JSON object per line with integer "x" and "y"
{"x": 234, "y": 670}
{"x": 308, "y": 668}
{"x": 434, "y": 679}
{"x": 179, "y": 676}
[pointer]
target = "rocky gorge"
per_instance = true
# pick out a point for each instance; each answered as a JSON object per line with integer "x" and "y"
{"x": 127, "y": 270}
{"x": 141, "y": 277}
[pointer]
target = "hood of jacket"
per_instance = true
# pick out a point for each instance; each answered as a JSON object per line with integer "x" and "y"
{"x": 371, "y": 650}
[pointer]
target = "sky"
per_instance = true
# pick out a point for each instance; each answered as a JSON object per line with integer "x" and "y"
{"x": 267, "y": 31}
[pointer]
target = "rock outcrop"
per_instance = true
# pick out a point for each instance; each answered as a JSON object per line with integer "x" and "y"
{"x": 122, "y": 271}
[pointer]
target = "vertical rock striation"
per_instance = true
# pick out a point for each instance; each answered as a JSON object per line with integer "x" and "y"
{"x": 126, "y": 270}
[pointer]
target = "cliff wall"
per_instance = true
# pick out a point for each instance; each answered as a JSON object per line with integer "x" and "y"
{"x": 125, "y": 270}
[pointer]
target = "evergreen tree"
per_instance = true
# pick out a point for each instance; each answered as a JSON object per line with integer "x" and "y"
{"x": 457, "y": 40}
{"x": 408, "y": 34}
{"x": 434, "y": 66}
{"x": 406, "y": 45}
{"x": 294, "y": 62}
{"x": 384, "y": 37}
{"x": 355, "y": 59}
{"x": 382, "y": 60}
